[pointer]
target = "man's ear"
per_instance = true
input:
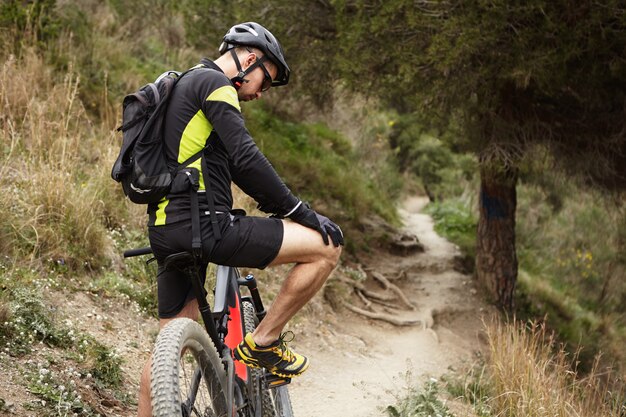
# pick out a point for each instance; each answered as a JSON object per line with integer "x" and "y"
{"x": 249, "y": 60}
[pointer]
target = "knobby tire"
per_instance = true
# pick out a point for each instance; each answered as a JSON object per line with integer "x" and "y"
{"x": 183, "y": 349}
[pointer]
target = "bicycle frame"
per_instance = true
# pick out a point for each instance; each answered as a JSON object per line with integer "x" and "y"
{"x": 224, "y": 322}
{"x": 228, "y": 319}
{"x": 227, "y": 305}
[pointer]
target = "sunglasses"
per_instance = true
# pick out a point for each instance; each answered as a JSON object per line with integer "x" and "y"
{"x": 267, "y": 81}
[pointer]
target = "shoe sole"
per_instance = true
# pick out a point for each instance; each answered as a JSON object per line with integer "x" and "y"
{"x": 283, "y": 375}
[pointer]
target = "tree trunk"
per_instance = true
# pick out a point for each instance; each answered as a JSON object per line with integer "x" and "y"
{"x": 496, "y": 259}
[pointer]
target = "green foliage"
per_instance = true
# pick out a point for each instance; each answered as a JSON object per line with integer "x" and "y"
{"x": 443, "y": 172}
{"x": 321, "y": 166}
{"x": 511, "y": 74}
{"x": 66, "y": 390}
{"x": 456, "y": 220}
{"x": 35, "y": 21}
{"x": 207, "y": 22}
{"x": 421, "y": 403}
{"x": 103, "y": 364}
{"x": 571, "y": 262}
{"x": 28, "y": 320}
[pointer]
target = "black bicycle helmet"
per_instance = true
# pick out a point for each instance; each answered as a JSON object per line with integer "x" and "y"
{"x": 254, "y": 35}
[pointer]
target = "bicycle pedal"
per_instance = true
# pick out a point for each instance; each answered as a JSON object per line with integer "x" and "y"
{"x": 274, "y": 381}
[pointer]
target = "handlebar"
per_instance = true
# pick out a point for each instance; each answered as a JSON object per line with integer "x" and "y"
{"x": 137, "y": 252}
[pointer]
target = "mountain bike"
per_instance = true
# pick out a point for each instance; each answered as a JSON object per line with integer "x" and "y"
{"x": 193, "y": 371}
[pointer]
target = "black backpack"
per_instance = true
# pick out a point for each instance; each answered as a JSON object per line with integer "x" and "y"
{"x": 141, "y": 166}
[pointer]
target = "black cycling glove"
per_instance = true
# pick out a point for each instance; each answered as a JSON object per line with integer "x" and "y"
{"x": 307, "y": 217}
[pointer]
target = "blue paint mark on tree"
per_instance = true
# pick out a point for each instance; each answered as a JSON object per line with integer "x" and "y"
{"x": 495, "y": 208}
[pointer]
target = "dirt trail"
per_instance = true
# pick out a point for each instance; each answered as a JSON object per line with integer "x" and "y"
{"x": 359, "y": 365}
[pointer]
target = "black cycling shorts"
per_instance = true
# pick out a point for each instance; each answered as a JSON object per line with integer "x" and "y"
{"x": 250, "y": 242}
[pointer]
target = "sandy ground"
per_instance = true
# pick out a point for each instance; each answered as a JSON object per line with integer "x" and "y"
{"x": 359, "y": 366}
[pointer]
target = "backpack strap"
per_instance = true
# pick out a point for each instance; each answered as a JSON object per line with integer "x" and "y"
{"x": 195, "y": 207}
{"x": 191, "y": 159}
{"x": 196, "y": 233}
{"x": 207, "y": 187}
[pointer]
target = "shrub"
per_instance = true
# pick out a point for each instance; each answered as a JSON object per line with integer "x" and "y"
{"x": 456, "y": 220}
{"x": 28, "y": 320}
{"x": 421, "y": 403}
{"x": 571, "y": 264}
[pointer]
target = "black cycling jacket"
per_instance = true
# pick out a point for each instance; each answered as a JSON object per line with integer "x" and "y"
{"x": 203, "y": 101}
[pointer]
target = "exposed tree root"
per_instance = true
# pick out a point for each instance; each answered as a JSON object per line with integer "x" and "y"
{"x": 388, "y": 285}
{"x": 401, "y": 275}
{"x": 390, "y": 300}
{"x": 373, "y": 295}
{"x": 389, "y": 318}
{"x": 386, "y": 304}
{"x": 368, "y": 303}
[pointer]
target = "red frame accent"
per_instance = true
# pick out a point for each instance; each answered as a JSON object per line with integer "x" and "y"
{"x": 235, "y": 336}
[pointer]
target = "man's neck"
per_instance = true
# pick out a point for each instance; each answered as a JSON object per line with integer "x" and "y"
{"x": 226, "y": 64}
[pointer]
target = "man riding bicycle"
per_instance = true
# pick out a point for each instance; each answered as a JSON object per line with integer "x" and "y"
{"x": 205, "y": 108}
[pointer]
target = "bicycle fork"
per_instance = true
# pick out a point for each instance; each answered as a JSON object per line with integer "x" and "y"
{"x": 250, "y": 282}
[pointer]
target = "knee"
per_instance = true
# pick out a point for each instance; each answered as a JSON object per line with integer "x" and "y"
{"x": 331, "y": 255}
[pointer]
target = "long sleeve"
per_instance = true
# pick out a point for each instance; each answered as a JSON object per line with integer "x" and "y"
{"x": 250, "y": 169}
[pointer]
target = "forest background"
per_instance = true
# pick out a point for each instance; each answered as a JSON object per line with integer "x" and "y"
{"x": 486, "y": 107}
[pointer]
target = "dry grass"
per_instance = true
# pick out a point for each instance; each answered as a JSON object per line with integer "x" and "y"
{"x": 51, "y": 210}
{"x": 529, "y": 376}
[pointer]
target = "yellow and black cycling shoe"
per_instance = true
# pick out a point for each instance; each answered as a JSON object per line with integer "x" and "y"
{"x": 276, "y": 358}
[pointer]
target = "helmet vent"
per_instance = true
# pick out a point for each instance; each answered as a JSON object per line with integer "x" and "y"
{"x": 245, "y": 28}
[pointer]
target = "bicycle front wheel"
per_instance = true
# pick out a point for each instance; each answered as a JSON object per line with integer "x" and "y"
{"x": 187, "y": 376}
{"x": 275, "y": 402}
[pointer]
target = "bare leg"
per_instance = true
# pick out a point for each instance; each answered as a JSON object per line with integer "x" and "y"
{"x": 144, "y": 408}
{"x": 314, "y": 263}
